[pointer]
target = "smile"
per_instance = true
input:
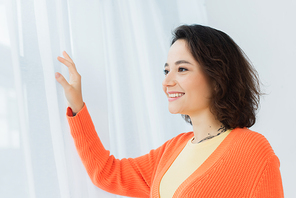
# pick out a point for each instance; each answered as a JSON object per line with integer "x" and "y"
{"x": 175, "y": 96}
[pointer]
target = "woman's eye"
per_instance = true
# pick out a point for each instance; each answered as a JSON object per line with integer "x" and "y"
{"x": 181, "y": 69}
{"x": 165, "y": 72}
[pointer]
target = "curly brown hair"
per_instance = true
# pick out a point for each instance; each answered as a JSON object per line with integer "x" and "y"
{"x": 235, "y": 82}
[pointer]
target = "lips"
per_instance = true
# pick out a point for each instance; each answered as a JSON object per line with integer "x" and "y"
{"x": 174, "y": 95}
{"x": 171, "y": 92}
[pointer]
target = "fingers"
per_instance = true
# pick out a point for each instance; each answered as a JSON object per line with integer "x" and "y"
{"x": 65, "y": 62}
{"x": 67, "y": 57}
{"x": 75, "y": 77}
{"x": 70, "y": 65}
{"x": 60, "y": 78}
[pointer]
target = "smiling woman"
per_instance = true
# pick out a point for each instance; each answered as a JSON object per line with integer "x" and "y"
{"x": 185, "y": 75}
{"x": 233, "y": 80}
{"x": 208, "y": 79}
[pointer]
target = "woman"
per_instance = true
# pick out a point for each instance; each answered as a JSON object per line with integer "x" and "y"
{"x": 210, "y": 82}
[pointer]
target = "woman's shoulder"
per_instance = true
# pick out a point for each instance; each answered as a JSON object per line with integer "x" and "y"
{"x": 248, "y": 134}
{"x": 251, "y": 141}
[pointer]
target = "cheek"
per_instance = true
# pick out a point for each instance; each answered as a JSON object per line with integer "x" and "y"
{"x": 199, "y": 89}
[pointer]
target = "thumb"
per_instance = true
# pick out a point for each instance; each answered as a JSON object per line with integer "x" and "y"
{"x": 60, "y": 78}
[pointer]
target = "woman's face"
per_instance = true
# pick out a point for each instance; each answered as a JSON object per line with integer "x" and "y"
{"x": 185, "y": 84}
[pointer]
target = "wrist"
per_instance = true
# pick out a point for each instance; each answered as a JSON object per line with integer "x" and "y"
{"x": 75, "y": 110}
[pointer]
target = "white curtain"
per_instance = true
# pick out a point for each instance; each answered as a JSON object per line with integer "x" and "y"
{"x": 119, "y": 48}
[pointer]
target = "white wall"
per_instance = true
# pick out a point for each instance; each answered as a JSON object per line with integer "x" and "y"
{"x": 266, "y": 31}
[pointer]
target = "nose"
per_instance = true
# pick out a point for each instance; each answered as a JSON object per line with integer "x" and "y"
{"x": 169, "y": 80}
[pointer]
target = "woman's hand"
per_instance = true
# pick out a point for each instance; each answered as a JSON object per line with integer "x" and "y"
{"x": 73, "y": 88}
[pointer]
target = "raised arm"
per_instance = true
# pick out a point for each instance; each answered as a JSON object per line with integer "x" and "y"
{"x": 129, "y": 177}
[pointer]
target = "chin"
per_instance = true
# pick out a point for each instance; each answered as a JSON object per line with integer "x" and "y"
{"x": 174, "y": 111}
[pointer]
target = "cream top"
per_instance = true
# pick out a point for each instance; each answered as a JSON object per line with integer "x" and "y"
{"x": 190, "y": 158}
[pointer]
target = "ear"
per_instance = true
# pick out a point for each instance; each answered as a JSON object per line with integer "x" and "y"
{"x": 214, "y": 86}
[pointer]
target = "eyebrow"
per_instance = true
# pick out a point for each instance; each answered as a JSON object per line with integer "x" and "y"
{"x": 178, "y": 63}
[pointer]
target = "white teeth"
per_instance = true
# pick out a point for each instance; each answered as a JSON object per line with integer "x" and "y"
{"x": 174, "y": 95}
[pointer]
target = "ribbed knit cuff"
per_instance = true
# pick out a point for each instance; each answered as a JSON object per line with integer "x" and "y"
{"x": 81, "y": 124}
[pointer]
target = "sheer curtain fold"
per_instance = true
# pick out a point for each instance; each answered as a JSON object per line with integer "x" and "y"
{"x": 119, "y": 48}
{"x": 44, "y": 43}
{"x": 11, "y": 15}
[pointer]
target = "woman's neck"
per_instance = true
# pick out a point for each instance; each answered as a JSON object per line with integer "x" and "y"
{"x": 204, "y": 125}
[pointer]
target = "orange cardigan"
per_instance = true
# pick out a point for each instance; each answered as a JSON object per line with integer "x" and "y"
{"x": 243, "y": 165}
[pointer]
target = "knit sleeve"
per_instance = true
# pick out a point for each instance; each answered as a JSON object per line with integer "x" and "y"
{"x": 270, "y": 182}
{"x": 129, "y": 177}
